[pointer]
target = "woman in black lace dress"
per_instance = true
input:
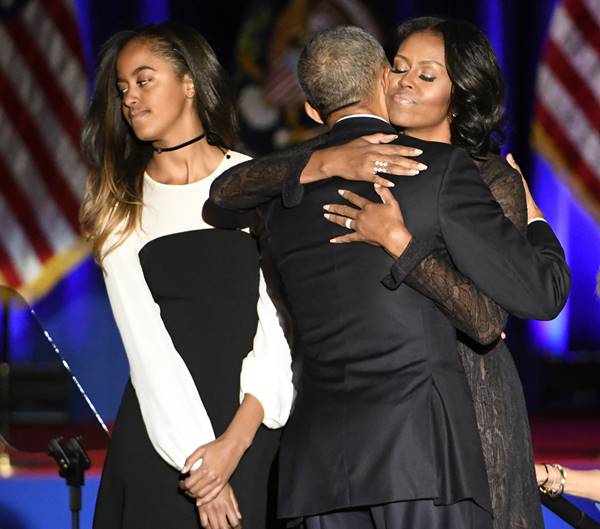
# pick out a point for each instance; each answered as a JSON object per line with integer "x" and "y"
{"x": 472, "y": 119}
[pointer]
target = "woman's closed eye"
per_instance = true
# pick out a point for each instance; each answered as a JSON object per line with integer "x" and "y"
{"x": 422, "y": 76}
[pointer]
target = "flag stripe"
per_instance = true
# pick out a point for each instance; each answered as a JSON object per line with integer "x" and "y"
{"x": 573, "y": 83}
{"x": 43, "y": 96}
{"x": 30, "y": 95}
{"x": 593, "y": 6}
{"x": 18, "y": 160}
{"x": 567, "y": 106}
{"x": 20, "y": 206}
{"x": 570, "y": 153}
{"x": 9, "y": 272}
{"x": 66, "y": 24}
{"x": 18, "y": 247}
{"x": 63, "y": 64}
{"x": 563, "y": 108}
{"x": 574, "y": 47}
{"x": 61, "y": 105}
{"x": 27, "y": 129}
{"x": 586, "y": 22}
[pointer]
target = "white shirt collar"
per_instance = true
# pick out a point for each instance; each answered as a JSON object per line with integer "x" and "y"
{"x": 362, "y": 116}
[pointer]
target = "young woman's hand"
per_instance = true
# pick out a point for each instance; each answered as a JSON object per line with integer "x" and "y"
{"x": 222, "y": 512}
{"x": 533, "y": 212}
{"x": 362, "y": 159}
{"x": 210, "y": 467}
{"x": 379, "y": 224}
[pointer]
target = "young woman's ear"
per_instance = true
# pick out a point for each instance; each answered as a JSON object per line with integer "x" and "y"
{"x": 188, "y": 83}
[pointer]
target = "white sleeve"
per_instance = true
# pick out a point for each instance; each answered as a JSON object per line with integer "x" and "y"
{"x": 175, "y": 418}
{"x": 267, "y": 369}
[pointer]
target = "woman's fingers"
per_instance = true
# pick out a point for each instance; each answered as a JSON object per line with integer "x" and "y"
{"x": 385, "y": 194}
{"x": 394, "y": 150}
{"x": 194, "y": 460}
{"x": 223, "y": 522}
{"x": 382, "y": 181}
{"x": 355, "y": 199}
{"x": 203, "y": 489}
{"x": 379, "y": 137}
{"x": 340, "y": 209}
{"x": 234, "y": 502}
{"x": 350, "y": 237}
{"x": 232, "y": 517}
{"x": 200, "y": 475}
{"x": 341, "y": 220}
{"x": 396, "y": 159}
{"x": 206, "y": 492}
{"x": 203, "y": 519}
{"x": 377, "y": 163}
{"x": 511, "y": 161}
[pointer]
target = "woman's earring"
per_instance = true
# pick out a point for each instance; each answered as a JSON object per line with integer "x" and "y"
{"x": 454, "y": 114}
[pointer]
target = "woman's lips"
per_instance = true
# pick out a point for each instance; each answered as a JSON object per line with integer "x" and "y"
{"x": 134, "y": 116}
{"x": 403, "y": 99}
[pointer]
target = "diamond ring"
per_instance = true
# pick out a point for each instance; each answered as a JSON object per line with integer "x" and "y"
{"x": 379, "y": 167}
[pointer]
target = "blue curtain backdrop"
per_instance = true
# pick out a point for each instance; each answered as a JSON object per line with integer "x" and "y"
{"x": 77, "y": 312}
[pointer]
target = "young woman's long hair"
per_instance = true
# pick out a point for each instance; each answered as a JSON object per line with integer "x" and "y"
{"x": 477, "y": 98}
{"x": 113, "y": 200}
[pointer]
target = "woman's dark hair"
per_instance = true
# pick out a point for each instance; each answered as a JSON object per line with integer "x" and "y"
{"x": 477, "y": 98}
{"x": 117, "y": 159}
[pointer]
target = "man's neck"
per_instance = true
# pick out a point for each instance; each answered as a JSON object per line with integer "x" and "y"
{"x": 356, "y": 110}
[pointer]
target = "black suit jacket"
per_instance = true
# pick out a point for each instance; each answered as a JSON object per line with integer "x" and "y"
{"x": 383, "y": 411}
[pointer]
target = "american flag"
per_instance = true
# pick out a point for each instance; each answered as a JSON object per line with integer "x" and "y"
{"x": 567, "y": 112}
{"x": 43, "y": 95}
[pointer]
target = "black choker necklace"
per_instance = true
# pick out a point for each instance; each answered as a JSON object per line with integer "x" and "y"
{"x": 158, "y": 150}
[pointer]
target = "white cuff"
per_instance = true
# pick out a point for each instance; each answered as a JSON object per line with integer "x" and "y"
{"x": 537, "y": 219}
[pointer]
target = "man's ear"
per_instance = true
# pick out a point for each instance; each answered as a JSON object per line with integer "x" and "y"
{"x": 385, "y": 74}
{"x": 312, "y": 113}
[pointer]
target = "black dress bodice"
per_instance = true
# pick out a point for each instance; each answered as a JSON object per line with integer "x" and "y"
{"x": 206, "y": 285}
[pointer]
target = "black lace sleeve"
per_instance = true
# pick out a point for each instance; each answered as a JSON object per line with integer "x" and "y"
{"x": 257, "y": 181}
{"x": 471, "y": 311}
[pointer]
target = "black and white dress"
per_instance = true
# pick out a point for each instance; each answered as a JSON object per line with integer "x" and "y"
{"x": 193, "y": 312}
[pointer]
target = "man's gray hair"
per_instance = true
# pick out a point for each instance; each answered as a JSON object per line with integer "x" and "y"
{"x": 339, "y": 67}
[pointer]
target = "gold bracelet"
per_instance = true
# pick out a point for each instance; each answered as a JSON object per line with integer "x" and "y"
{"x": 553, "y": 493}
{"x": 563, "y": 480}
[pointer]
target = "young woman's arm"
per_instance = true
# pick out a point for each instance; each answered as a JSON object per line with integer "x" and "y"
{"x": 173, "y": 412}
{"x": 266, "y": 395}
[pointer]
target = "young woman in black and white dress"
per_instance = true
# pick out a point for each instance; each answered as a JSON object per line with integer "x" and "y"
{"x": 189, "y": 300}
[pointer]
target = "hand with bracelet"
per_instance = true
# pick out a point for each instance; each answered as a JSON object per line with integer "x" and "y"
{"x": 553, "y": 479}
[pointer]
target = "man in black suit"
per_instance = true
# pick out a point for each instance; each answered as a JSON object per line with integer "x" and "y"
{"x": 383, "y": 432}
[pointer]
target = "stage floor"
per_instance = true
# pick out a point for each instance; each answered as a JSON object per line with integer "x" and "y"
{"x": 34, "y": 497}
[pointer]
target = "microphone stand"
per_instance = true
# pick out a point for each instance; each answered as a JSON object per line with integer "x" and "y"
{"x": 5, "y": 465}
{"x": 569, "y": 512}
{"x": 72, "y": 461}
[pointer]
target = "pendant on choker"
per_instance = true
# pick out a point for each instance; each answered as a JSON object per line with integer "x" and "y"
{"x": 158, "y": 150}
